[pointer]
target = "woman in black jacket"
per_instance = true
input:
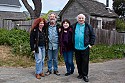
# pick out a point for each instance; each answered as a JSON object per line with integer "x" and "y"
{"x": 38, "y": 44}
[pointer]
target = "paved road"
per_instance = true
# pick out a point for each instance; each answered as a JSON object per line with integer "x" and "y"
{"x": 106, "y": 72}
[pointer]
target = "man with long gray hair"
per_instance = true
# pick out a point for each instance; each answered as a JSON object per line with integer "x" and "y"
{"x": 83, "y": 39}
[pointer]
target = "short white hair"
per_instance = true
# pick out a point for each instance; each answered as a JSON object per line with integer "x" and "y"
{"x": 82, "y": 15}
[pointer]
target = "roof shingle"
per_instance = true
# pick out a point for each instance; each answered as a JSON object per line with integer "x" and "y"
{"x": 10, "y": 2}
{"x": 93, "y": 8}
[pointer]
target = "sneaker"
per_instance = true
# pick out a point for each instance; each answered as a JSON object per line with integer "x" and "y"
{"x": 67, "y": 74}
{"x": 57, "y": 73}
{"x": 48, "y": 73}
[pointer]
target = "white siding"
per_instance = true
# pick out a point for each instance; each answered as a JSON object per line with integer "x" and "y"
{"x": 9, "y": 8}
{"x": 104, "y": 2}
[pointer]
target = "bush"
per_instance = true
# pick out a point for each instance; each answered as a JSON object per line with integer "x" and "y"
{"x": 105, "y": 52}
{"x": 18, "y": 39}
{"x": 120, "y": 25}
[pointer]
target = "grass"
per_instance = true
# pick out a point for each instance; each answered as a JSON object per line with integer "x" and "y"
{"x": 9, "y": 59}
{"x": 99, "y": 53}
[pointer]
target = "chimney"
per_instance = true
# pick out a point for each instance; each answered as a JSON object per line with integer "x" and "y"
{"x": 107, "y": 3}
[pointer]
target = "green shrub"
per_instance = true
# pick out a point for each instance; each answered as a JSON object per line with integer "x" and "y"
{"x": 105, "y": 52}
{"x": 120, "y": 25}
{"x": 18, "y": 39}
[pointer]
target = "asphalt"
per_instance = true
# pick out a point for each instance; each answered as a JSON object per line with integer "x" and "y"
{"x": 107, "y": 72}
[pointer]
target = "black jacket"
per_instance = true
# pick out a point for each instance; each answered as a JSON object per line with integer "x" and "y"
{"x": 34, "y": 38}
{"x": 89, "y": 36}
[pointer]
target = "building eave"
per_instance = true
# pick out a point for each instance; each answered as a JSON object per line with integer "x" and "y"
{"x": 10, "y": 5}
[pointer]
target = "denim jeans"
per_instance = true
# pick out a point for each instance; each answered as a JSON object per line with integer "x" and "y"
{"x": 39, "y": 58}
{"x": 53, "y": 59}
{"x": 68, "y": 58}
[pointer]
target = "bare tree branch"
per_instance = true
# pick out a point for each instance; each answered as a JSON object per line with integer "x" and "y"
{"x": 38, "y": 7}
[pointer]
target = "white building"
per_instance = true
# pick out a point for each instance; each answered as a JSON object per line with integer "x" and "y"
{"x": 110, "y": 2}
{"x": 10, "y": 5}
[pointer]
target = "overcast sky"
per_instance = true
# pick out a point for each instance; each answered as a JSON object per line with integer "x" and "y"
{"x": 54, "y": 4}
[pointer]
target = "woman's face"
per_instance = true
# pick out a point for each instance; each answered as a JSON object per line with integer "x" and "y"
{"x": 41, "y": 24}
{"x": 65, "y": 25}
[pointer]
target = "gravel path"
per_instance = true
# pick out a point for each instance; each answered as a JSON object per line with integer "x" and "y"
{"x": 106, "y": 72}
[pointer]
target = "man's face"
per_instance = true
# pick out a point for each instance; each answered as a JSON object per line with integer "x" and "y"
{"x": 80, "y": 19}
{"x": 52, "y": 18}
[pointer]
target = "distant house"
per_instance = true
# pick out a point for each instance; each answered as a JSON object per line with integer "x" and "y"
{"x": 10, "y": 12}
{"x": 10, "y": 5}
{"x": 97, "y": 14}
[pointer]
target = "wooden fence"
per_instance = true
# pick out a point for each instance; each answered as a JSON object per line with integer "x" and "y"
{"x": 102, "y": 36}
{"x": 9, "y": 24}
{"x": 109, "y": 37}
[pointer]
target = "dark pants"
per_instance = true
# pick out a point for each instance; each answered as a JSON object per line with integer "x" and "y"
{"x": 82, "y": 61}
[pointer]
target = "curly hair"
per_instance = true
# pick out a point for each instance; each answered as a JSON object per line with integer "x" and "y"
{"x": 36, "y": 23}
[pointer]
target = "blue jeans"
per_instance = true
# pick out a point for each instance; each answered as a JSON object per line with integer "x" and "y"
{"x": 68, "y": 58}
{"x": 53, "y": 59}
{"x": 39, "y": 58}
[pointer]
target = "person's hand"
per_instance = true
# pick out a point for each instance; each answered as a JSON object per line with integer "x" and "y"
{"x": 33, "y": 51}
{"x": 59, "y": 29}
{"x": 90, "y": 46}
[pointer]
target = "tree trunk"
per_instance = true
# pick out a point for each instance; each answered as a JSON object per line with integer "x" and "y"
{"x": 37, "y": 8}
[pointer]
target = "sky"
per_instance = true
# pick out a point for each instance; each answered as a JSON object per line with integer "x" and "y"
{"x": 55, "y": 4}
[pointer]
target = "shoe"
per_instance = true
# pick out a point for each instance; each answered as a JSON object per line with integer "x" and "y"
{"x": 85, "y": 78}
{"x": 71, "y": 72}
{"x": 57, "y": 73}
{"x": 38, "y": 76}
{"x": 79, "y": 77}
{"x": 48, "y": 73}
{"x": 42, "y": 74}
{"x": 67, "y": 74}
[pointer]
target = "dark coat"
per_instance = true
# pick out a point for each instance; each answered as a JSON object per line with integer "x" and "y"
{"x": 68, "y": 46}
{"x": 89, "y": 36}
{"x": 34, "y": 39}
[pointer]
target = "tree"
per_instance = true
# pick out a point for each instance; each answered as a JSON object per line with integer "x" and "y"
{"x": 37, "y": 8}
{"x": 119, "y": 7}
{"x": 45, "y": 16}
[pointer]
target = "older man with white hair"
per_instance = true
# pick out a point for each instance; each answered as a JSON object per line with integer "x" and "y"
{"x": 83, "y": 39}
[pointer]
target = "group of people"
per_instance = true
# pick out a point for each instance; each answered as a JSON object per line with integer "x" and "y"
{"x": 49, "y": 38}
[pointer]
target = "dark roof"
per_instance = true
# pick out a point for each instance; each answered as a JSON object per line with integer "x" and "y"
{"x": 92, "y": 7}
{"x": 10, "y": 2}
{"x": 12, "y": 15}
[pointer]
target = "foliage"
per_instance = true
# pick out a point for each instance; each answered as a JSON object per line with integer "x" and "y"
{"x": 46, "y": 15}
{"x": 104, "y": 52}
{"x": 119, "y": 7}
{"x": 120, "y": 25}
{"x": 18, "y": 39}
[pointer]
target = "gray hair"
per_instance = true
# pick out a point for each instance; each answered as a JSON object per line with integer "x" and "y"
{"x": 81, "y": 15}
{"x": 53, "y": 13}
